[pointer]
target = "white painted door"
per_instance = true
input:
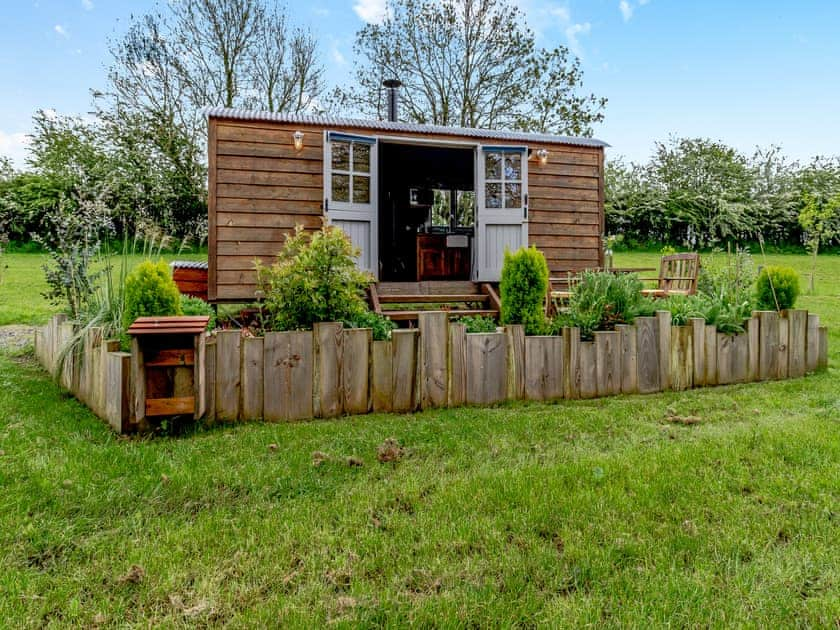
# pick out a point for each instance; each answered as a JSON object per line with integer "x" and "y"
{"x": 351, "y": 192}
{"x": 501, "y": 208}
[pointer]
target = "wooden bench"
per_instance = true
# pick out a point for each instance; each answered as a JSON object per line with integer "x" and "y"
{"x": 678, "y": 275}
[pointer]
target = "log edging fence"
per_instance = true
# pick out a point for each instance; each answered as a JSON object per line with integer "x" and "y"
{"x": 331, "y": 371}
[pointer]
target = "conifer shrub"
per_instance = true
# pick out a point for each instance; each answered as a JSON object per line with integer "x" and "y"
{"x": 523, "y": 289}
{"x": 777, "y": 288}
{"x": 196, "y": 306}
{"x": 149, "y": 291}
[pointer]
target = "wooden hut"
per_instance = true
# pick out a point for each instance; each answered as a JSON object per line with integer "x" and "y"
{"x": 425, "y": 204}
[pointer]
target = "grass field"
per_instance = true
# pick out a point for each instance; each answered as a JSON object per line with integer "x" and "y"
{"x": 581, "y": 513}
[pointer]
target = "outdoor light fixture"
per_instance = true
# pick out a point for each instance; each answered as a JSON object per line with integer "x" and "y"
{"x": 542, "y": 156}
{"x": 298, "y": 138}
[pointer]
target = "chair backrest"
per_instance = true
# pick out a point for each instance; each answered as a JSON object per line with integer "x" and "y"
{"x": 678, "y": 272}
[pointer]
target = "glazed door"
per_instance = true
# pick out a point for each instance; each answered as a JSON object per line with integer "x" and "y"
{"x": 501, "y": 208}
{"x": 350, "y": 193}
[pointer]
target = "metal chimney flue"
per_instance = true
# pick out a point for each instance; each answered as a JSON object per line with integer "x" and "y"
{"x": 393, "y": 87}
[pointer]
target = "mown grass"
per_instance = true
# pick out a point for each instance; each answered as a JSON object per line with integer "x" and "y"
{"x": 596, "y": 513}
{"x": 22, "y": 285}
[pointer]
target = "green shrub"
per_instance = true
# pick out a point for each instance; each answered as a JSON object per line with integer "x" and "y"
{"x": 600, "y": 300}
{"x": 523, "y": 289}
{"x": 777, "y": 288}
{"x": 315, "y": 279}
{"x": 196, "y": 306}
{"x": 478, "y": 323}
{"x": 150, "y": 290}
{"x": 379, "y": 324}
{"x": 682, "y": 308}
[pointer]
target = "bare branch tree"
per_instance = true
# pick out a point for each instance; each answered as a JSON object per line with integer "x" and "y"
{"x": 469, "y": 63}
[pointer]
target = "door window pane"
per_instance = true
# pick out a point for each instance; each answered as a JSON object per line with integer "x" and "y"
{"x": 361, "y": 189}
{"x": 493, "y": 196}
{"x": 340, "y": 187}
{"x": 341, "y": 156}
{"x": 513, "y": 195}
{"x": 493, "y": 165}
{"x": 513, "y": 166}
{"x": 361, "y": 157}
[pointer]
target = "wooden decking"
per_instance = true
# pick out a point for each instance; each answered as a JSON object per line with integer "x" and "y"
{"x": 403, "y": 301}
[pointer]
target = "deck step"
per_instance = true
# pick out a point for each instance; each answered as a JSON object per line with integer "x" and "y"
{"x": 432, "y": 299}
{"x": 412, "y": 315}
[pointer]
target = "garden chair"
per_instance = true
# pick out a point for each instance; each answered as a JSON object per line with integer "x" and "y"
{"x": 677, "y": 276}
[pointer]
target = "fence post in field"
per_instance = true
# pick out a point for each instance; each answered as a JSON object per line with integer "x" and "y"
{"x": 629, "y": 369}
{"x": 647, "y": 354}
{"x": 571, "y": 362}
{"x": 698, "y": 350}
{"x": 544, "y": 368}
{"x": 404, "y": 344}
{"x": 138, "y": 384}
{"x": 382, "y": 379}
{"x": 434, "y": 350}
{"x": 228, "y": 374}
{"x": 288, "y": 375}
{"x": 768, "y": 347}
{"x": 754, "y": 348}
{"x": 252, "y": 378}
{"x": 355, "y": 377}
{"x": 710, "y": 358}
{"x": 608, "y": 370}
{"x": 117, "y": 387}
{"x": 515, "y": 361}
{"x": 822, "y": 357}
{"x": 797, "y": 338}
{"x": 682, "y": 358}
{"x": 784, "y": 346}
{"x": 588, "y": 369}
{"x": 329, "y": 354}
{"x": 812, "y": 343}
{"x": 663, "y": 331}
{"x": 486, "y": 368}
{"x": 457, "y": 364}
{"x": 200, "y": 376}
{"x": 210, "y": 379}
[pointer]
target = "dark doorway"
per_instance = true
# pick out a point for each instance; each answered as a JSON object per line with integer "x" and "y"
{"x": 426, "y": 212}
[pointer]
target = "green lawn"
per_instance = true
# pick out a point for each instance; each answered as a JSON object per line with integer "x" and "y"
{"x": 579, "y": 513}
{"x": 22, "y": 286}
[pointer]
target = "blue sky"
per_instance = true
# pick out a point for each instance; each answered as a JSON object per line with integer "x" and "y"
{"x": 748, "y": 73}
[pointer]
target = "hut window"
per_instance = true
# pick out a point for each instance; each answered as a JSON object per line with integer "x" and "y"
{"x": 503, "y": 179}
{"x": 350, "y": 171}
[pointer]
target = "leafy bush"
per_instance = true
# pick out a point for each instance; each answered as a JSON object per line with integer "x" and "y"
{"x": 727, "y": 281}
{"x": 150, "y": 290}
{"x": 196, "y": 306}
{"x": 683, "y": 308}
{"x": 380, "y": 325}
{"x": 777, "y": 288}
{"x": 523, "y": 289}
{"x": 315, "y": 279}
{"x": 478, "y": 323}
{"x": 601, "y": 300}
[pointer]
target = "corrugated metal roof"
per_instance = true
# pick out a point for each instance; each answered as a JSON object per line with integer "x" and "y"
{"x": 188, "y": 264}
{"x": 385, "y": 125}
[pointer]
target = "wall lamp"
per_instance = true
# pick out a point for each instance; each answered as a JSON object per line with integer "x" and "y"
{"x": 542, "y": 156}
{"x": 297, "y": 137}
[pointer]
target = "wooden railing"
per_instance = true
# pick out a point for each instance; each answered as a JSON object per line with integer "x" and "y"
{"x": 331, "y": 371}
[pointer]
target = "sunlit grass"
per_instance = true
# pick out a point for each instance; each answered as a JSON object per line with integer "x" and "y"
{"x": 580, "y": 513}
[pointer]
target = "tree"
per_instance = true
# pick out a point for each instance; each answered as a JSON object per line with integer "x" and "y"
{"x": 820, "y": 218}
{"x": 468, "y": 63}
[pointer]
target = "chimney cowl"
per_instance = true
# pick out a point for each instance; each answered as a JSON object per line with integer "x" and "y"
{"x": 393, "y": 87}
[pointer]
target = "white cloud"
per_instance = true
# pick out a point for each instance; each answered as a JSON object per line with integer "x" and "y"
{"x": 371, "y": 11}
{"x": 626, "y": 10}
{"x": 58, "y": 28}
{"x": 573, "y": 31}
{"x": 87, "y": 5}
{"x": 337, "y": 56}
{"x": 13, "y": 146}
